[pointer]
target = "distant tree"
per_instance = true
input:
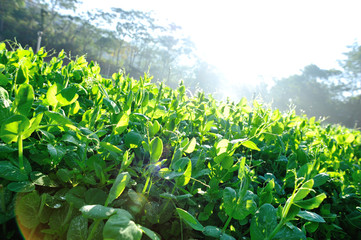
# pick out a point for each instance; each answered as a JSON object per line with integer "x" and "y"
{"x": 7, "y": 7}
{"x": 352, "y": 69}
{"x": 311, "y": 92}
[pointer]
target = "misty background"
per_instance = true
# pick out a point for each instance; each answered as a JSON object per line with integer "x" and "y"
{"x": 139, "y": 41}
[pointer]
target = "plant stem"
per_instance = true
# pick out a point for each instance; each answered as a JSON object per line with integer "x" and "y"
{"x": 21, "y": 156}
{"x": 227, "y": 223}
{"x": 275, "y": 231}
{"x": 146, "y": 184}
{"x": 96, "y": 223}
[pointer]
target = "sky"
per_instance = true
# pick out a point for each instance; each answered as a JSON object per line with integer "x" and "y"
{"x": 259, "y": 40}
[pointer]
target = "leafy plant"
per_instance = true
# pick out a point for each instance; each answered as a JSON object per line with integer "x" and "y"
{"x": 85, "y": 157}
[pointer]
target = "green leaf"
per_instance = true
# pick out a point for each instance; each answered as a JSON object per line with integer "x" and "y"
{"x": 13, "y": 127}
{"x": 311, "y": 216}
{"x": 57, "y": 117}
{"x": 152, "y": 235}
{"x": 154, "y": 128}
{"x": 251, "y": 145}
{"x": 225, "y": 236}
{"x": 263, "y": 222}
{"x": 78, "y": 229}
{"x": 189, "y": 148}
{"x": 183, "y": 171}
{"x": 121, "y": 227}
{"x": 4, "y": 104}
{"x": 11, "y": 173}
{"x": 27, "y": 209}
{"x": 21, "y": 75}
{"x": 95, "y": 196}
{"x": 189, "y": 219}
{"x": 64, "y": 175}
{"x": 242, "y": 169}
{"x": 98, "y": 211}
{"x": 244, "y": 206}
{"x": 212, "y": 231}
{"x": 19, "y": 187}
{"x": 111, "y": 147}
{"x": 156, "y": 149}
{"x": 320, "y": 179}
{"x": 24, "y": 99}
{"x": 58, "y": 219}
{"x": 312, "y": 203}
{"x": 118, "y": 187}
{"x": 3, "y": 80}
{"x": 56, "y": 153}
{"x": 111, "y": 105}
{"x": 122, "y": 124}
{"x": 51, "y": 95}
{"x": 229, "y": 200}
{"x": 34, "y": 124}
{"x": 67, "y": 96}
{"x": 290, "y": 232}
{"x": 75, "y": 196}
{"x": 304, "y": 190}
{"x": 133, "y": 139}
{"x": 221, "y": 146}
{"x": 41, "y": 179}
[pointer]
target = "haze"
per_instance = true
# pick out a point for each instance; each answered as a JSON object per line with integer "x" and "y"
{"x": 254, "y": 41}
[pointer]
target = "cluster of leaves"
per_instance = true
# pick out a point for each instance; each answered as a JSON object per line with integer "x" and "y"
{"x": 84, "y": 157}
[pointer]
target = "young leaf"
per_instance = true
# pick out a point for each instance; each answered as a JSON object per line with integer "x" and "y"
{"x": 67, "y": 96}
{"x": 24, "y": 99}
{"x": 120, "y": 226}
{"x": 111, "y": 147}
{"x": 242, "y": 169}
{"x": 51, "y": 95}
{"x": 34, "y": 124}
{"x": 189, "y": 219}
{"x": 3, "y": 80}
{"x": 311, "y": 203}
{"x": 4, "y": 104}
{"x": 186, "y": 176}
{"x": 122, "y": 124}
{"x": 222, "y": 146}
{"x": 13, "y": 127}
{"x": 304, "y": 190}
{"x": 21, "y": 75}
{"x": 311, "y": 216}
{"x": 263, "y": 222}
{"x": 156, "y": 149}
{"x": 189, "y": 148}
{"x": 118, "y": 187}
{"x": 60, "y": 119}
{"x": 251, "y": 145}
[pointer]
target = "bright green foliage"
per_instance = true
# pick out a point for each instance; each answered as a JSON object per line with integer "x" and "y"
{"x": 84, "y": 157}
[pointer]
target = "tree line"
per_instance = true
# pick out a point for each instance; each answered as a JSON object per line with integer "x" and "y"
{"x": 137, "y": 42}
{"x": 134, "y": 41}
